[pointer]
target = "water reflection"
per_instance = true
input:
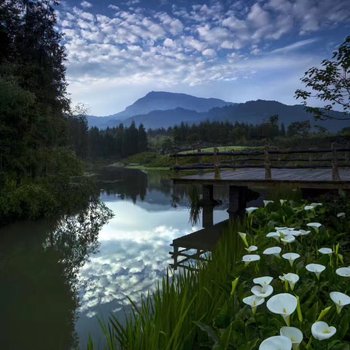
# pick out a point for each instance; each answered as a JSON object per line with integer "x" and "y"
{"x": 38, "y": 264}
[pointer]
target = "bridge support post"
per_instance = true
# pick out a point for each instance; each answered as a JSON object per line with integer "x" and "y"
{"x": 335, "y": 170}
{"x": 237, "y": 201}
{"x": 267, "y": 164}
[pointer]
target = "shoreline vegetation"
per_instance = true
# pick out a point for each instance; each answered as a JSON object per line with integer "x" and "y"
{"x": 304, "y": 247}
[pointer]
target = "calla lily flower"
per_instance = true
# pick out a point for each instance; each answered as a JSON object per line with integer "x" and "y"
{"x": 273, "y": 251}
{"x": 341, "y": 215}
{"x": 343, "y": 271}
{"x": 315, "y": 225}
{"x": 253, "y": 301}
{"x": 281, "y": 228}
{"x": 291, "y": 257}
{"x": 283, "y": 304}
{"x": 278, "y": 342}
{"x": 295, "y": 233}
{"x": 274, "y": 235}
{"x": 316, "y": 204}
{"x": 251, "y": 248}
{"x": 263, "y": 281}
{"x": 327, "y": 251}
{"x": 250, "y": 258}
{"x": 282, "y": 201}
{"x": 262, "y": 291}
{"x": 250, "y": 210}
{"x": 244, "y": 238}
{"x": 291, "y": 278}
{"x": 288, "y": 239}
{"x": 304, "y": 232}
{"x": 340, "y": 300}
{"x": 267, "y": 202}
{"x": 294, "y": 334}
{"x": 321, "y": 331}
{"x": 309, "y": 207}
{"x": 316, "y": 269}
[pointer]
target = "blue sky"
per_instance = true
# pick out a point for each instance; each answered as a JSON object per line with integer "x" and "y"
{"x": 118, "y": 50}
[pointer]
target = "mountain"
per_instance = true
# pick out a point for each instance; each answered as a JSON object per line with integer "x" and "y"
{"x": 159, "y": 101}
{"x": 164, "y": 109}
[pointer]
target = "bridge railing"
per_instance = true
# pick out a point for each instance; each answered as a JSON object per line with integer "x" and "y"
{"x": 267, "y": 158}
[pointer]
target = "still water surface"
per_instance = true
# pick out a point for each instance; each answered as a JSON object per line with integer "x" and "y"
{"x": 58, "y": 277}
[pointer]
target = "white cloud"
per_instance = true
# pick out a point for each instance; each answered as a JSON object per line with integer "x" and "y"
{"x": 295, "y": 46}
{"x": 192, "y": 45}
{"x": 86, "y": 4}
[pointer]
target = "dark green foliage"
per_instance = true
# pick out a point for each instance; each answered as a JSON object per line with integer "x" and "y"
{"x": 34, "y": 112}
{"x": 116, "y": 143}
{"x": 330, "y": 84}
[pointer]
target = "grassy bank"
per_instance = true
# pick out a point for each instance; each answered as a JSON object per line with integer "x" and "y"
{"x": 205, "y": 309}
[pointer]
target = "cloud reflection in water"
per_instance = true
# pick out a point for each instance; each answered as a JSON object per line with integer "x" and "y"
{"x": 133, "y": 256}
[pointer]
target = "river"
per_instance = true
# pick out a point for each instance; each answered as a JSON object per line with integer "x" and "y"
{"x": 59, "y": 278}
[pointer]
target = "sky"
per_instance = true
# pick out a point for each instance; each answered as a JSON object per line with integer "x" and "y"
{"x": 238, "y": 50}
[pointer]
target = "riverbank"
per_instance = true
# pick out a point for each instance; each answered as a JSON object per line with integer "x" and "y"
{"x": 216, "y": 306}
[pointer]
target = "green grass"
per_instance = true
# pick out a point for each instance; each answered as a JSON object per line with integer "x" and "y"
{"x": 202, "y": 310}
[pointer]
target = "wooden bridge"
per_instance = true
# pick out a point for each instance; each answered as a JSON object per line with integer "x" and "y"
{"x": 319, "y": 169}
{"x": 313, "y": 168}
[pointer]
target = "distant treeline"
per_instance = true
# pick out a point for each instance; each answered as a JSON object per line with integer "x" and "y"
{"x": 223, "y": 133}
{"x": 116, "y": 142}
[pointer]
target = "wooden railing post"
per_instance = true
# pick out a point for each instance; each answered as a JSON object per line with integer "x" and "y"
{"x": 335, "y": 170}
{"x": 216, "y": 163}
{"x": 267, "y": 164}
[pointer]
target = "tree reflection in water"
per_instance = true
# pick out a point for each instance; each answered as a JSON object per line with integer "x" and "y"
{"x": 38, "y": 267}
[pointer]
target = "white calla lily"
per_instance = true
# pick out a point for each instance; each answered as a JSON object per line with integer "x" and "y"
{"x": 287, "y": 239}
{"x": 283, "y": 304}
{"x": 294, "y": 334}
{"x": 262, "y": 291}
{"x": 251, "y": 248}
{"x": 327, "y": 251}
{"x": 243, "y": 236}
{"x": 340, "y": 300}
{"x": 283, "y": 201}
{"x": 295, "y": 233}
{"x": 316, "y": 204}
{"x": 253, "y": 301}
{"x": 273, "y": 251}
{"x": 281, "y": 228}
{"x": 263, "y": 281}
{"x": 321, "y": 331}
{"x": 309, "y": 207}
{"x": 343, "y": 271}
{"x": 250, "y": 258}
{"x": 315, "y": 268}
{"x": 250, "y": 210}
{"x": 278, "y": 342}
{"x": 291, "y": 278}
{"x": 291, "y": 257}
{"x": 267, "y": 202}
{"x": 315, "y": 225}
{"x": 341, "y": 215}
{"x": 304, "y": 232}
{"x": 274, "y": 235}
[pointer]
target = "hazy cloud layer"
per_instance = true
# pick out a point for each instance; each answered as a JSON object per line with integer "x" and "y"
{"x": 129, "y": 44}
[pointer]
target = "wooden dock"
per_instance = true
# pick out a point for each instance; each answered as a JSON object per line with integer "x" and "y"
{"x": 200, "y": 242}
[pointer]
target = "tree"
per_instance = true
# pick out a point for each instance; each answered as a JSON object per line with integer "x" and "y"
{"x": 330, "y": 84}
{"x": 299, "y": 128}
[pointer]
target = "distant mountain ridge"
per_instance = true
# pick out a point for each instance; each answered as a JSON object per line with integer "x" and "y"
{"x": 161, "y": 101}
{"x": 165, "y": 109}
